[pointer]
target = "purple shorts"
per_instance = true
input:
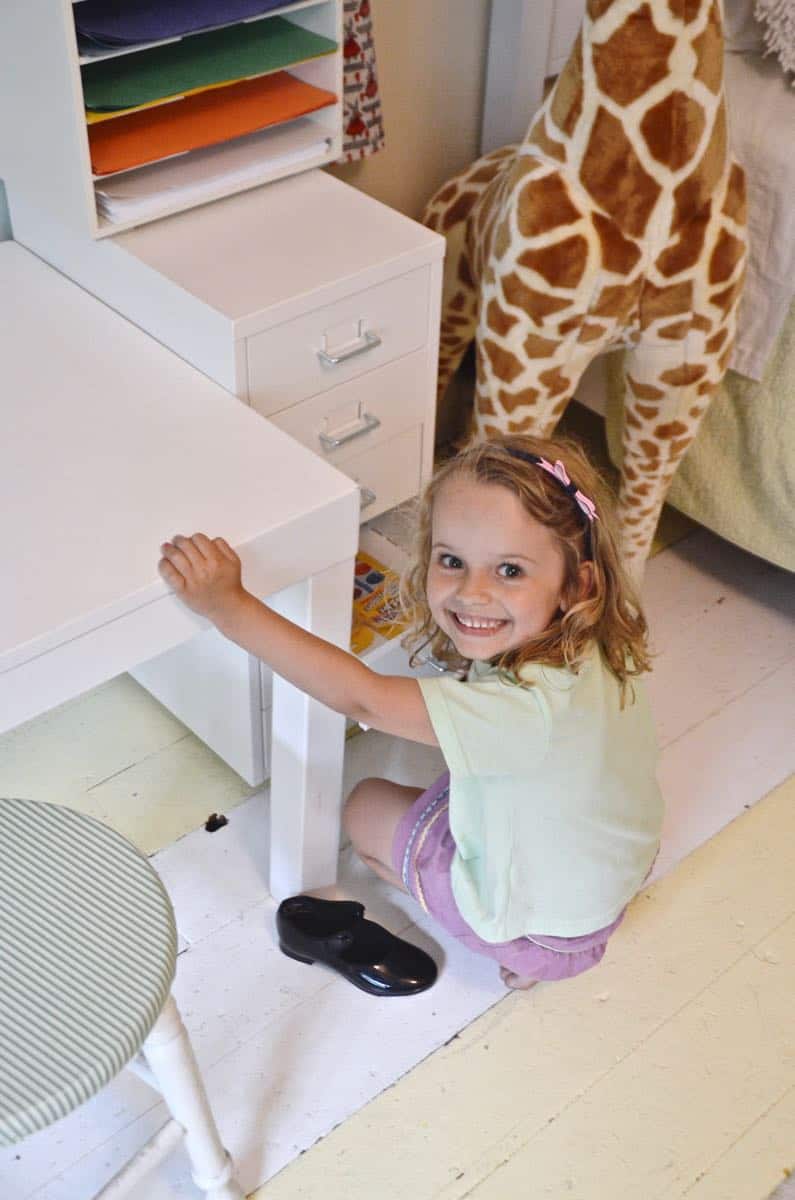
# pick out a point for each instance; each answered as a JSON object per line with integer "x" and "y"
{"x": 422, "y": 853}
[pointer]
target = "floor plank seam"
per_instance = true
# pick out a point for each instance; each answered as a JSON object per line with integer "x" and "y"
{"x": 757, "y": 1121}
{"x": 666, "y": 745}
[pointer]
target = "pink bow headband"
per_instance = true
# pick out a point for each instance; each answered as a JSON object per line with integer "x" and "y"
{"x": 560, "y": 475}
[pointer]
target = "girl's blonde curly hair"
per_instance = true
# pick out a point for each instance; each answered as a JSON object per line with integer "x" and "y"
{"x": 610, "y": 615}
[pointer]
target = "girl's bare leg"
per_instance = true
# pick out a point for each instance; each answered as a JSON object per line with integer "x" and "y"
{"x": 371, "y": 815}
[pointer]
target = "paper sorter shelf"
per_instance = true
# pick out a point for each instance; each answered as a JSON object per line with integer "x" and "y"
{"x": 202, "y": 120}
{"x": 208, "y": 59}
{"x": 103, "y": 25}
{"x": 191, "y": 178}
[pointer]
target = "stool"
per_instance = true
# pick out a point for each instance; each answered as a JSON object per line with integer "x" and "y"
{"x": 88, "y": 948}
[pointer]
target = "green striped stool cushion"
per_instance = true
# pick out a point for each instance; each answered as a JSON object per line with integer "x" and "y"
{"x": 87, "y": 956}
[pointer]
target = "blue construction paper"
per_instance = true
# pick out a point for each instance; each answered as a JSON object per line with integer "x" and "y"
{"x": 109, "y": 24}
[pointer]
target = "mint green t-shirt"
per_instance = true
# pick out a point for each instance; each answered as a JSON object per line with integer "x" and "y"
{"x": 554, "y": 803}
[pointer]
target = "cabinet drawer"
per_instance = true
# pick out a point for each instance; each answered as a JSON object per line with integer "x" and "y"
{"x": 363, "y": 331}
{"x": 390, "y": 473}
{"x": 362, "y": 413}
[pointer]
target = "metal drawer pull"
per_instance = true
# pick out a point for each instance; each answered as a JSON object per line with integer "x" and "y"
{"x": 365, "y": 340}
{"x": 367, "y": 497}
{"x": 363, "y": 424}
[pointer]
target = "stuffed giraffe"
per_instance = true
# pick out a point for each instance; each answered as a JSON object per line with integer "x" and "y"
{"x": 619, "y": 221}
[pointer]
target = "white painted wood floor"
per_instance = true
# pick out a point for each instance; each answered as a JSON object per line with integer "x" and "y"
{"x": 291, "y": 1052}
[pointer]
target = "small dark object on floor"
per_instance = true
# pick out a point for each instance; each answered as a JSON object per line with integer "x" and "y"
{"x": 215, "y": 821}
{"x": 335, "y": 933}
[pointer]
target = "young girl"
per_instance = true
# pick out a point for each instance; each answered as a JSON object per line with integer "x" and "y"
{"x": 548, "y": 820}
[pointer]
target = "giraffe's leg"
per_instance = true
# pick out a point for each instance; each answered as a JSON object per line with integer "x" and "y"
{"x": 525, "y": 378}
{"x": 450, "y": 211}
{"x": 666, "y": 396}
{"x": 459, "y": 310}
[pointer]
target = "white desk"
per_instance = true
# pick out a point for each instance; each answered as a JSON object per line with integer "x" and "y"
{"x": 110, "y": 445}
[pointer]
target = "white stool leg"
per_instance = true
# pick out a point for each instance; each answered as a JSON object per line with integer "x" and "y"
{"x": 170, "y": 1057}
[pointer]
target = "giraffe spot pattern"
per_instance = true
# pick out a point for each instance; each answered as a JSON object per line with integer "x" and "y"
{"x": 554, "y": 381}
{"x": 570, "y": 324}
{"x": 566, "y": 103}
{"x": 685, "y": 251}
{"x": 562, "y": 264}
{"x": 497, "y": 320}
{"x": 641, "y": 50}
{"x": 539, "y": 347}
{"x": 672, "y": 129}
{"x": 725, "y": 299}
{"x": 677, "y": 331}
{"x": 735, "y": 206}
{"x": 447, "y": 193}
{"x": 645, "y": 391}
{"x": 647, "y": 411}
{"x": 709, "y": 50}
{"x": 685, "y": 10}
{"x": 510, "y": 401}
{"x": 728, "y": 252}
{"x": 464, "y": 273}
{"x": 694, "y": 193}
{"x": 656, "y": 302}
{"x": 701, "y": 322}
{"x": 590, "y": 332}
{"x": 524, "y": 426}
{"x": 682, "y": 376}
{"x": 672, "y": 430}
{"x": 543, "y": 142}
{"x": 678, "y": 447}
{"x": 460, "y": 210}
{"x": 537, "y": 305}
{"x": 544, "y": 204}
{"x": 458, "y": 302}
{"x": 619, "y": 254}
{"x": 614, "y": 175}
{"x": 506, "y": 366}
{"x": 713, "y": 344}
{"x": 486, "y": 173}
{"x": 618, "y": 300}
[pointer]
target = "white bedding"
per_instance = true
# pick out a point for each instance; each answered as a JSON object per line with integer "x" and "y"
{"x": 762, "y": 129}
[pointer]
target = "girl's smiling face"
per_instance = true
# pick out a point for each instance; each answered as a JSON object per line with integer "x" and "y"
{"x": 496, "y": 574}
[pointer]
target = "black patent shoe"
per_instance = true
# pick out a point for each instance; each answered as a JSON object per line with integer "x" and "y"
{"x": 335, "y": 933}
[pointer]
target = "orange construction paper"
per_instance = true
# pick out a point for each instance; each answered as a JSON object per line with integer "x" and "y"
{"x": 201, "y": 120}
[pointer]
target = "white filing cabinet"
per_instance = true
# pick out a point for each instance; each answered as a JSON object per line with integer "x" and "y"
{"x": 320, "y": 308}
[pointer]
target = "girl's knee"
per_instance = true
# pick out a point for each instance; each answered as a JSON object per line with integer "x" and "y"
{"x": 355, "y": 809}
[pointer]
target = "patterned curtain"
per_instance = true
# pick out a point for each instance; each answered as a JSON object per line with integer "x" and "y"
{"x": 363, "y": 125}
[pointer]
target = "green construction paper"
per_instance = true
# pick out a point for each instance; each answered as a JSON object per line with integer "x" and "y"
{"x": 220, "y": 56}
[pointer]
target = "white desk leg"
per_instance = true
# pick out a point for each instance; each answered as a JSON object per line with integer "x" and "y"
{"x": 307, "y": 745}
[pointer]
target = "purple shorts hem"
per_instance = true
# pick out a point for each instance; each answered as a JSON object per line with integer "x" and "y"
{"x": 422, "y": 854}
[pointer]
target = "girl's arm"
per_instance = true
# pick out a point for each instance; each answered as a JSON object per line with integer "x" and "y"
{"x": 206, "y": 575}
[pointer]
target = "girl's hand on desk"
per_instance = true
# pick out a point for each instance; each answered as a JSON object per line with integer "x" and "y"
{"x": 205, "y": 573}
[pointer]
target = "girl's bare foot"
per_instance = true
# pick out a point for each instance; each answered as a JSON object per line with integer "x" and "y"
{"x": 515, "y": 982}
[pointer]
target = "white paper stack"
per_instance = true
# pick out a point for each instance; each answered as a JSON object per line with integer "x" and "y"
{"x": 189, "y": 179}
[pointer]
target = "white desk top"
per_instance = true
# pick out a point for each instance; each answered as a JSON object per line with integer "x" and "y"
{"x": 111, "y": 444}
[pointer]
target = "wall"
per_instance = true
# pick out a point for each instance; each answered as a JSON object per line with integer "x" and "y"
{"x": 431, "y": 58}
